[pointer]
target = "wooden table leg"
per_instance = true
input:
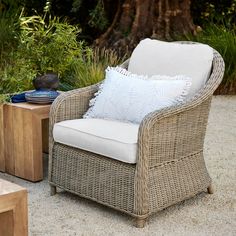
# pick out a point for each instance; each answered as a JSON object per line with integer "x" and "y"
{"x": 9, "y": 140}
{"x": 45, "y": 134}
{"x": 23, "y": 144}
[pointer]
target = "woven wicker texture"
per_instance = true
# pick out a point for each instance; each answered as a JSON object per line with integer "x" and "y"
{"x": 170, "y": 165}
{"x": 98, "y": 180}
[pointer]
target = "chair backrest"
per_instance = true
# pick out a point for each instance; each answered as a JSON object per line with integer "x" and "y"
{"x": 152, "y": 57}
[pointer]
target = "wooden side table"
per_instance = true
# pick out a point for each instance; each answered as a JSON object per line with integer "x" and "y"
{"x": 23, "y": 139}
{"x": 13, "y": 210}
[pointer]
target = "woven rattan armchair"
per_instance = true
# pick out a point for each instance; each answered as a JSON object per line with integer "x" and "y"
{"x": 170, "y": 165}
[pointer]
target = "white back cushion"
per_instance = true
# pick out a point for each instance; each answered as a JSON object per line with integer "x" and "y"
{"x": 153, "y": 57}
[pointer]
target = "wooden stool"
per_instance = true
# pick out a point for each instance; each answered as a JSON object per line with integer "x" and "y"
{"x": 23, "y": 139}
{"x": 13, "y": 210}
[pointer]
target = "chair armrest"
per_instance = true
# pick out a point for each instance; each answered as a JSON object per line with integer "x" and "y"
{"x": 173, "y": 133}
{"x": 67, "y": 106}
{"x": 71, "y": 105}
{"x": 176, "y": 132}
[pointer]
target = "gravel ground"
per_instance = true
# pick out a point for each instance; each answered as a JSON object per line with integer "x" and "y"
{"x": 66, "y": 214}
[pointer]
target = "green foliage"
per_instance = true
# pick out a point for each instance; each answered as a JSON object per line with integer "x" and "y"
{"x": 47, "y": 44}
{"x": 4, "y": 98}
{"x": 91, "y": 70}
{"x": 221, "y": 12}
{"x": 224, "y": 41}
{"x": 76, "y": 5}
{"x": 92, "y": 16}
{"x": 8, "y": 27}
{"x": 43, "y": 46}
{"x": 8, "y": 34}
{"x": 98, "y": 17}
{"x": 16, "y": 76}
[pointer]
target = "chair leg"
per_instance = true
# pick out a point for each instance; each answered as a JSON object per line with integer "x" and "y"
{"x": 210, "y": 189}
{"x": 140, "y": 223}
{"x": 53, "y": 190}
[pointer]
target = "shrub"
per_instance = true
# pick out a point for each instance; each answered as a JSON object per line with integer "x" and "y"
{"x": 49, "y": 46}
{"x": 219, "y": 12}
{"x": 46, "y": 44}
{"x": 92, "y": 68}
{"x": 42, "y": 47}
{"x": 224, "y": 41}
{"x": 9, "y": 29}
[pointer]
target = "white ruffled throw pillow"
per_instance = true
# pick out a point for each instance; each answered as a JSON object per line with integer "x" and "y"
{"x": 128, "y": 97}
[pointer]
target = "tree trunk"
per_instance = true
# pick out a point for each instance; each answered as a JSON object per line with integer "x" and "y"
{"x": 138, "y": 19}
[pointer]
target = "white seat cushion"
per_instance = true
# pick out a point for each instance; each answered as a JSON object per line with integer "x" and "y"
{"x": 113, "y": 139}
{"x": 152, "y": 57}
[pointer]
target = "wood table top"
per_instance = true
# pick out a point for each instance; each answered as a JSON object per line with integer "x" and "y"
{"x": 29, "y": 106}
{"x": 8, "y": 187}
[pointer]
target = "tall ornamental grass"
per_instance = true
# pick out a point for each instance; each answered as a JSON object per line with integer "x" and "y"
{"x": 224, "y": 41}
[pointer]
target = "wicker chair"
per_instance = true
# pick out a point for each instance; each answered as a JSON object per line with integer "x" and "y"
{"x": 170, "y": 165}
